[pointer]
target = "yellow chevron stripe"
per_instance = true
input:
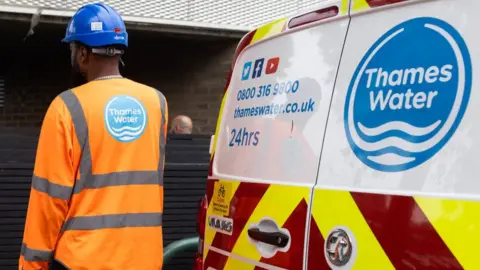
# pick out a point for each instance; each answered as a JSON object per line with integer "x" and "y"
{"x": 219, "y": 120}
{"x": 458, "y": 224}
{"x": 268, "y": 30}
{"x": 210, "y": 234}
{"x": 333, "y": 208}
{"x": 234, "y": 264}
{"x": 344, "y": 8}
{"x": 205, "y": 252}
{"x": 275, "y": 205}
{"x": 359, "y": 5}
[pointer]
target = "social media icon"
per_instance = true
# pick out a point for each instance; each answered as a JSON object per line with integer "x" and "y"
{"x": 258, "y": 67}
{"x": 272, "y": 65}
{"x": 246, "y": 71}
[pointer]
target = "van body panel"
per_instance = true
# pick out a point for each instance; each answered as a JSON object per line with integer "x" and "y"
{"x": 263, "y": 178}
{"x": 380, "y": 172}
{"x": 249, "y": 204}
{"x": 402, "y": 172}
{"x": 272, "y": 133}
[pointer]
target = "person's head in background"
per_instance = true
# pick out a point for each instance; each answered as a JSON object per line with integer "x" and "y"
{"x": 181, "y": 124}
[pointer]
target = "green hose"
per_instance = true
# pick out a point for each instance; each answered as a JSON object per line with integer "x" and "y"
{"x": 178, "y": 247}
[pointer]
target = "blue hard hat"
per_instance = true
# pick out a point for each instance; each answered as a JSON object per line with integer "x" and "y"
{"x": 97, "y": 25}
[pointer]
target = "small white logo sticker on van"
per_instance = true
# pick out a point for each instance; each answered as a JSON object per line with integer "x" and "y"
{"x": 220, "y": 224}
{"x": 408, "y": 95}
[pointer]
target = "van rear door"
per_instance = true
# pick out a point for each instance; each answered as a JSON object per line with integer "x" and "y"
{"x": 398, "y": 181}
{"x": 269, "y": 140}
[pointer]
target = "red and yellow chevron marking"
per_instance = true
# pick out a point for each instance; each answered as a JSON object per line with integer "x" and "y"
{"x": 294, "y": 223}
{"x": 269, "y": 30}
{"x": 458, "y": 224}
{"x": 316, "y": 246}
{"x": 390, "y": 231}
{"x": 398, "y": 232}
{"x": 337, "y": 208}
{"x": 277, "y": 205}
{"x": 361, "y": 5}
{"x": 250, "y": 203}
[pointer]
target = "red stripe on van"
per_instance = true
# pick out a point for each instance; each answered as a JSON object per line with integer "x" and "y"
{"x": 242, "y": 205}
{"x": 216, "y": 261}
{"x": 295, "y": 224}
{"x": 316, "y": 246}
{"x": 404, "y": 232}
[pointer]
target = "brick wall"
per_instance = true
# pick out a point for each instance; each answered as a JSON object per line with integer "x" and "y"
{"x": 191, "y": 72}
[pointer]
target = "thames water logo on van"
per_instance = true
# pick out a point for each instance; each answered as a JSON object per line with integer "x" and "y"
{"x": 408, "y": 95}
{"x": 125, "y": 118}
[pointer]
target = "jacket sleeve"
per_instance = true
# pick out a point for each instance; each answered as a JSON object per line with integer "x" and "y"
{"x": 52, "y": 185}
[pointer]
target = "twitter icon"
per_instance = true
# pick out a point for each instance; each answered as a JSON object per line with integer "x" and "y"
{"x": 246, "y": 71}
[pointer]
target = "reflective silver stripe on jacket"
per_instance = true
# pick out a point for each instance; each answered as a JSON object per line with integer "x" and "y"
{"x": 113, "y": 221}
{"x": 35, "y": 255}
{"x": 52, "y": 189}
{"x": 81, "y": 129}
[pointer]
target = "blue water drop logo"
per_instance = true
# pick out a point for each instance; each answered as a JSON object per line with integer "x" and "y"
{"x": 408, "y": 95}
{"x": 125, "y": 118}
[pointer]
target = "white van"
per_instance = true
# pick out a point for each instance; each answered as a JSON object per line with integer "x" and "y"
{"x": 349, "y": 137}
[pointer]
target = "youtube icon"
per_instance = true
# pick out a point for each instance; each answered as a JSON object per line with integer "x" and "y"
{"x": 272, "y": 65}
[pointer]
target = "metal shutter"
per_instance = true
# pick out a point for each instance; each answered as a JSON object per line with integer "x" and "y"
{"x": 186, "y": 171}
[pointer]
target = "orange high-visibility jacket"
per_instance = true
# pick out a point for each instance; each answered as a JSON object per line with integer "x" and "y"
{"x": 97, "y": 191}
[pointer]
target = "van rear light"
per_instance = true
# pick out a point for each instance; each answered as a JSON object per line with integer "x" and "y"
{"x": 201, "y": 220}
{"x": 314, "y": 16}
{"x": 202, "y": 216}
{"x": 198, "y": 264}
{"x": 378, "y": 3}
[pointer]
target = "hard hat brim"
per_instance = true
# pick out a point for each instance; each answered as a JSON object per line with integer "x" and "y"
{"x": 99, "y": 39}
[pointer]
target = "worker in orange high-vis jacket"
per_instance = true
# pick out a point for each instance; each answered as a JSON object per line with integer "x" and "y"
{"x": 96, "y": 200}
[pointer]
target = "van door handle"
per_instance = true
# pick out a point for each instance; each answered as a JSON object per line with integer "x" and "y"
{"x": 277, "y": 239}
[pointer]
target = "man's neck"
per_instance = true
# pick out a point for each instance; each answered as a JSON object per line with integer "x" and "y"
{"x": 103, "y": 72}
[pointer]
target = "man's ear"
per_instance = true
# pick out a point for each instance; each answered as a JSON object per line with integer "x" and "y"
{"x": 83, "y": 54}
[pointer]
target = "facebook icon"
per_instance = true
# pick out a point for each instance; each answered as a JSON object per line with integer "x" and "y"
{"x": 258, "y": 67}
{"x": 246, "y": 70}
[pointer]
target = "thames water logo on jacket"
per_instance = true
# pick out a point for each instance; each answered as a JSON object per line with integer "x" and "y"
{"x": 125, "y": 118}
{"x": 408, "y": 95}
